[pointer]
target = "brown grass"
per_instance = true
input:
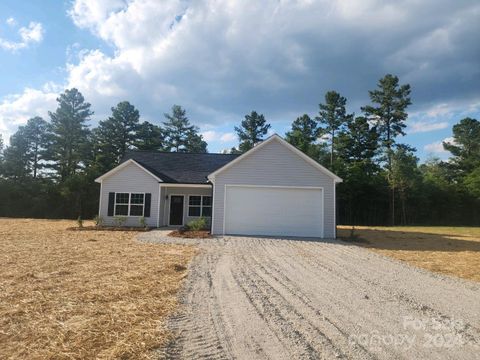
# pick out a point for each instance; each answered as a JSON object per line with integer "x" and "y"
{"x": 447, "y": 250}
{"x": 84, "y": 294}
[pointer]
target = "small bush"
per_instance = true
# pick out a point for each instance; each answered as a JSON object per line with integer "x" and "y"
{"x": 143, "y": 222}
{"x": 198, "y": 224}
{"x": 119, "y": 220}
{"x": 98, "y": 220}
{"x": 182, "y": 229}
{"x": 80, "y": 222}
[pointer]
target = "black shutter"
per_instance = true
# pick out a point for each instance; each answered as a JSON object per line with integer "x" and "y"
{"x": 148, "y": 201}
{"x": 111, "y": 203}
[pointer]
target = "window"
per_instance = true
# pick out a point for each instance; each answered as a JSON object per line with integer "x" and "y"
{"x": 129, "y": 204}
{"x": 199, "y": 205}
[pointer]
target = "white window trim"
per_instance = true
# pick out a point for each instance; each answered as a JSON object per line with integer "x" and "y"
{"x": 199, "y": 206}
{"x": 129, "y": 204}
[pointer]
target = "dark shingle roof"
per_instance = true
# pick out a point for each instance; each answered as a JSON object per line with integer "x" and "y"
{"x": 185, "y": 168}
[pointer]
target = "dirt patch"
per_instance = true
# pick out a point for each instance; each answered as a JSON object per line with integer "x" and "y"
{"x": 191, "y": 234}
{"x": 447, "y": 250}
{"x": 83, "y": 294}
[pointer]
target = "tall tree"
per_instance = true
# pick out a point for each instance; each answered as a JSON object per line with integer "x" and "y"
{"x": 333, "y": 116}
{"x": 251, "y": 131}
{"x": 358, "y": 142}
{"x": 36, "y": 136}
{"x": 404, "y": 174}
{"x": 180, "y": 135}
{"x": 304, "y": 135}
{"x": 117, "y": 134}
{"x": 195, "y": 143}
{"x": 125, "y": 120}
{"x": 465, "y": 147}
{"x": 355, "y": 163}
{"x": 1, "y": 153}
{"x": 149, "y": 137}
{"x": 69, "y": 133}
{"x": 390, "y": 102}
{"x": 16, "y": 160}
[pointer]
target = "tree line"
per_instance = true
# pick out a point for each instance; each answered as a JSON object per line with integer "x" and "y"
{"x": 49, "y": 167}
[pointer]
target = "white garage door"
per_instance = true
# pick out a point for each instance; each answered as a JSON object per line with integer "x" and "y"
{"x": 284, "y": 211}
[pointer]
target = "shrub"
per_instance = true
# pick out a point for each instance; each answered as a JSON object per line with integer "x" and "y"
{"x": 182, "y": 229}
{"x": 98, "y": 220}
{"x": 119, "y": 220}
{"x": 198, "y": 224}
{"x": 80, "y": 222}
{"x": 143, "y": 222}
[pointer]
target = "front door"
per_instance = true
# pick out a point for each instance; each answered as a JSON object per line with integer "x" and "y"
{"x": 176, "y": 210}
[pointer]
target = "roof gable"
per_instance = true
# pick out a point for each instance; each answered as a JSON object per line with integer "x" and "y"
{"x": 289, "y": 146}
{"x": 123, "y": 165}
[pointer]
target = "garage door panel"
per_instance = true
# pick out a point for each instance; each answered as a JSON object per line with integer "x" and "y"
{"x": 273, "y": 211}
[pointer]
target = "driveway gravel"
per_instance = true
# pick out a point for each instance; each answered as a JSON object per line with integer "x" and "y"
{"x": 269, "y": 298}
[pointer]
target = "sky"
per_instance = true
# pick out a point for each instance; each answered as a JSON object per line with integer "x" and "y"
{"x": 222, "y": 59}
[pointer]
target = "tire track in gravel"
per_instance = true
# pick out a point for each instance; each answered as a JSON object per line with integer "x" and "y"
{"x": 261, "y": 298}
{"x": 466, "y": 331}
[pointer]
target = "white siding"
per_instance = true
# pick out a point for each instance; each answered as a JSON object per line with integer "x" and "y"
{"x": 130, "y": 179}
{"x": 185, "y": 191}
{"x": 275, "y": 165}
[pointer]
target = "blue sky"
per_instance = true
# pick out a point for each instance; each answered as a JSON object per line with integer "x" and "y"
{"x": 221, "y": 61}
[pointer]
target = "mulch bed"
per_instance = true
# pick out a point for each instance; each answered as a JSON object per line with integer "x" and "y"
{"x": 190, "y": 234}
{"x": 108, "y": 228}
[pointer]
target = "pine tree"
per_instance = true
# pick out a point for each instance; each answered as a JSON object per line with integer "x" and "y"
{"x": 68, "y": 136}
{"x": 333, "y": 116}
{"x": 149, "y": 137}
{"x": 36, "y": 137}
{"x": 251, "y": 131}
{"x": 389, "y": 112}
{"x": 304, "y": 135}
{"x": 195, "y": 143}
{"x": 117, "y": 134}
{"x": 404, "y": 174}
{"x": 465, "y": 147}
{"x": 16, "y": 160}
{"x": 180, "y": 135}
{"x": 23, "y": 156}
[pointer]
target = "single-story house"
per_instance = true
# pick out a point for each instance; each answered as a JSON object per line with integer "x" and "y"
{"x": 272, "y": 189}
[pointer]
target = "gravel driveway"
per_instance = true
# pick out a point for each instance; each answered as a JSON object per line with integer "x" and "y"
{"x": 264, "y": 298}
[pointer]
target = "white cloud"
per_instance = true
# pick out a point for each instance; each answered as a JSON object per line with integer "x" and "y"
{"x": 31, "y": 34}
{"x": 209, "y": 135}
{"x": 437, "y": 147}
{"x": 222, "y": 59}
{"x": 16, "y": 109}
{"x": 228, "y": 137}
{"x": 426, "y": 126}
{"x": 215, "y": 136}
{"x": 11, "y": 22}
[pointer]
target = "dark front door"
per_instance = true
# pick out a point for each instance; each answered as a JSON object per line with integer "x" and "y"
{"x": 176, "y": 210}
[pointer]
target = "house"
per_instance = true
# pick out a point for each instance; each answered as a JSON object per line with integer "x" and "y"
{"x": 272, "y": 189}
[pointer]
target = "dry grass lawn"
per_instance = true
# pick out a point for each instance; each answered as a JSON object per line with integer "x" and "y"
{"x": 84, "y": 294}
{"x": 447, "y": 250}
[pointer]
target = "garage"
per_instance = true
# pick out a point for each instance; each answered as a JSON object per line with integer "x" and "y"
{"x": 274, "y": 210}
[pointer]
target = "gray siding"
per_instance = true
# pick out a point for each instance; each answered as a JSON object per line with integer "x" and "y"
{"x": 274, "y": 165}
{"x": 185, "y": 192}
{"x": 130, "y": 179}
